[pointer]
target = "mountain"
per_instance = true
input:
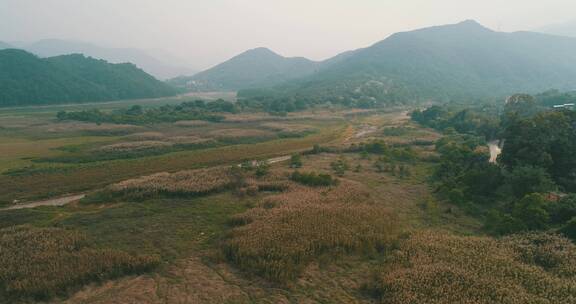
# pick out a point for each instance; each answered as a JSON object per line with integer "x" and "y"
{"x": 26, "y": 79}
{"x": 252, "y": 69}
{"x": 4, "y": 45}
{"x": 458, "y": 61}
{"x": 143, "y": 59}
{"x": 561, "y": 29}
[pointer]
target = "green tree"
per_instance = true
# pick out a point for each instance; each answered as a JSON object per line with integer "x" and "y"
{"x": 563, "y": 210}
{"x": 570, "y": 229}
{"x": 548, "y": 141}
{"x": 524, "y": 180}
{"x": 531, "y": 210}
{"x": 262, "y": 169}
{"x": 296, "y": 161}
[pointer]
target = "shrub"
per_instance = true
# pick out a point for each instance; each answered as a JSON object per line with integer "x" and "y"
{"x": 317, "y": 149}
{"x": 313, "y": 179}
{"x": 531, "y": 211}
{"x": 340, "y": 167}
{"x": 562, "y": 211}
{"x": 296, "y": 161}
{"x": 262, "y": 169}
{"x": 526, "y": 180}
{"x": 569, "y": 230}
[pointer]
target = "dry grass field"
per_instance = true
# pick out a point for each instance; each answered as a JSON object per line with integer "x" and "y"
{"x": 435, "y": 267}
{"x": 39, "y": 263}
{"x": 181, "y": 183}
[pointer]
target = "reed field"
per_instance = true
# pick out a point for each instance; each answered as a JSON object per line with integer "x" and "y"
{"x": 436, "y": 267}
{"x": 287, "y": 231}
{"x": 133, "y": 146}
{"x": 181, "y": 183}
{"x": 40, "y": 263}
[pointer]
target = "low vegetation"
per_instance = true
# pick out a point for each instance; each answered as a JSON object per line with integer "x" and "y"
{"x": 41, "y": 263}
{"x": 289, "y": 230}
{"x": 182, "y": 183}
{"x": 313, "y": 179}
{"x": 433, "y": 267}
{"x": 197, "y": 110}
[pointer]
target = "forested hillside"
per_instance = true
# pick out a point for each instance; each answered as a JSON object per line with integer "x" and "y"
{"x": 464, "y": 60}
{"x": 161, "y": 66}
{"x": 28, "y": 80}
{"x": 255, "y": 68}
{"x": 531, "y": 185}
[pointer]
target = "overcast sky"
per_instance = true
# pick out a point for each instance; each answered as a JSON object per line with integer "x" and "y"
{"x": 209, "y": 31}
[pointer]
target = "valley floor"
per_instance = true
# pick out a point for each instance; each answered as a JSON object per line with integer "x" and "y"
{"x": 272, "y": 240}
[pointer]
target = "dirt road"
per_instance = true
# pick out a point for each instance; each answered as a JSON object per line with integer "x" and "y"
{"x": 61, "y": 201}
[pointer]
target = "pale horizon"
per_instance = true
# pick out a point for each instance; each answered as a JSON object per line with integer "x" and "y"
{"x": 205, "y": 34}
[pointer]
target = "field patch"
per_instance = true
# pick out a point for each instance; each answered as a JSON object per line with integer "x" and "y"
{"x": 40, "y": 263}
{"x": 435, "y": 267}
{"x": 280, "y": 237}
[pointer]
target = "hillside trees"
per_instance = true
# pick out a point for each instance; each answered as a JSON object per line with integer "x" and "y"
{"x": 28, "y": 80}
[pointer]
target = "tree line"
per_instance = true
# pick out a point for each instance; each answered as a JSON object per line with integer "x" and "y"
{"x": 532, "y": 186}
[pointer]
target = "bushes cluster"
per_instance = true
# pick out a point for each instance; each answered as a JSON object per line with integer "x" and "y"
{"x": 481, "y": 120}
{"x": 532, "y": 180}
{"x": 196, "y": 110}
{"x": 389, "y": 152}
{"x": 313, "y": 179}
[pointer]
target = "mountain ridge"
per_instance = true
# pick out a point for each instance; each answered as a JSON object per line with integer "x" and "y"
{"x": 257, "y": 67}
{"x": 141, "y": 58}
{"x": 463, "y": 60}
{"x": 5, "y": 45}
{"x": 26, "y": 79}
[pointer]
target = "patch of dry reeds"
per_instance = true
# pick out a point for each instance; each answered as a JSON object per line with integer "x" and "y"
{"x": 43, "y": 262}
{"x": 438, "y": 268}
{"x": 288, "y": 230}
{"x": 134, "y": 146}
{"x": 188, "y": 182}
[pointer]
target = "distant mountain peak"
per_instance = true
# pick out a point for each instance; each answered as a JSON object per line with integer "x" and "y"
{"x": 254, "y": 68}
{"x": 141, "y": 58}
{"x": 260, "y": 51}
{"x": 468, "y": 25}
{"x": 470, "y": 22}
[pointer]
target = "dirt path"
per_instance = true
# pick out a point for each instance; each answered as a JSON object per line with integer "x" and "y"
{"x": 61, "y": 201}
{"x": 278, "y": 159}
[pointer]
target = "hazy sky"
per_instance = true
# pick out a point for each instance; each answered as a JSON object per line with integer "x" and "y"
{"x": 209, "y": 31}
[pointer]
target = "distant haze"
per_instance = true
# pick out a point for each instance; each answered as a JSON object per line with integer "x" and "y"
{"x": 206, "y": 32}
